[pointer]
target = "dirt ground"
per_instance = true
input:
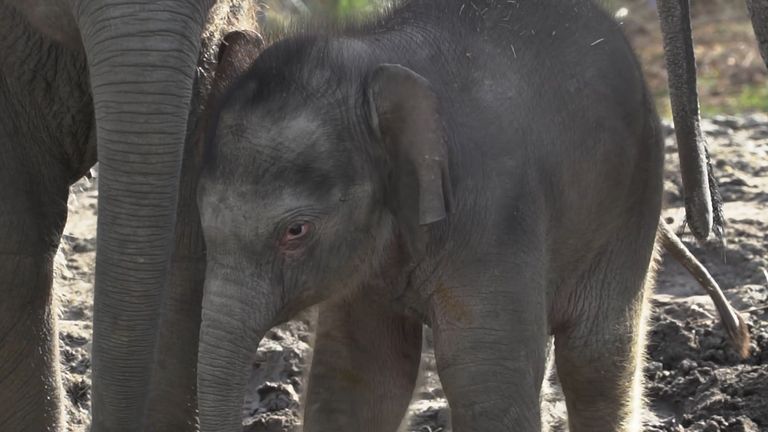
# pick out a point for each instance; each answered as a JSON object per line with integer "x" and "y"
{"x": 695, "y": 382}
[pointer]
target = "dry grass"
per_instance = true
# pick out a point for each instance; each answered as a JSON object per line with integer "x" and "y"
{"x": 731, "y": 74}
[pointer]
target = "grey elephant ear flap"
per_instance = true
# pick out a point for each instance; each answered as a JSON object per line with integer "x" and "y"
{"x": 404, "y": 115}
{"x": 237, "y": 51}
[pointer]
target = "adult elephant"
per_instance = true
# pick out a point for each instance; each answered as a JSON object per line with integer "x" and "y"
{"x": 113, "y": 77}
{"x": 758, "y": 13}
{"x": 702, "y": 200}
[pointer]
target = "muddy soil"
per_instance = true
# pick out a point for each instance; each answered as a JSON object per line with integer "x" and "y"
{"x": 695, "y": 381}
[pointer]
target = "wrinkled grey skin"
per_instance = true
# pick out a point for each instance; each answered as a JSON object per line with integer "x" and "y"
{"x": 115, "y": 77}
{"x": 702, "y": 199}
{"x": 704, "y": 212}
{"x": 492, "y": 169}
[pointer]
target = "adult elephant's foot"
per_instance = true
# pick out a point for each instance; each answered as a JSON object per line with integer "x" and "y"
{"x": 30, "y": 384}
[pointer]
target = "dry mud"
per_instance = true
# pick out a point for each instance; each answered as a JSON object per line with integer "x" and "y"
{"x": 695, "y": 382}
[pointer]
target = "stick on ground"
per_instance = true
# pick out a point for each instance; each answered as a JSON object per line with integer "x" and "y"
{"x": 733, "y": 322}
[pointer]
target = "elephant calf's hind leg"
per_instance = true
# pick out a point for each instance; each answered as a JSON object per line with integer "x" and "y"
{"x": 599, "y": 353}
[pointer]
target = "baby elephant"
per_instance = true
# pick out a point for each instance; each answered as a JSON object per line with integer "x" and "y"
{"x": 491, "y": 168}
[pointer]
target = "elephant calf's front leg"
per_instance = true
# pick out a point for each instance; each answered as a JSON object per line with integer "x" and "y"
{"x": 490, "y": 348}
{"x": 364, "y": 368}
{"x": 30, "y": 382}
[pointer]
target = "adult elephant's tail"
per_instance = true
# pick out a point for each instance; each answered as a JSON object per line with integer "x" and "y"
{"x": 142, "y": 56}
{"x": 702, "y": 198}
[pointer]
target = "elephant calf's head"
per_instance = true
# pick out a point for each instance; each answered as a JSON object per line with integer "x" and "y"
{"x": 317, "y": 160}
{"x": 322, "y": 166}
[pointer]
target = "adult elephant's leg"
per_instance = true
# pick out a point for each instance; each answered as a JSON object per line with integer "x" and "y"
{"x": 491, "y": 341}
{"x": 31, "y": 222}
{"x": 364, "y": 367}
{"x": 142, "y": 56}
{"x": 758, "y": 11}
{"x": 173, "y": 404}
{"x": 702, "y": 201}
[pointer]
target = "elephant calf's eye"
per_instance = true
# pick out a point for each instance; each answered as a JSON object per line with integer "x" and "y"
{"x": 294, "y": 235}
{"x": 296, "y": 231}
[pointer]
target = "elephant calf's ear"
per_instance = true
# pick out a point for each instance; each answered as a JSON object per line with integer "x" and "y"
{"x": 404, "y": 115}
{"x": 237, "y": 51}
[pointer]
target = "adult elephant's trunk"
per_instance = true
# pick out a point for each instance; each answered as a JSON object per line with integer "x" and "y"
{"x": 234, "y": 321}
{"x": 142, "y": 57}
{"x": 758, "y": 11}
{"x": 702, "y": 199}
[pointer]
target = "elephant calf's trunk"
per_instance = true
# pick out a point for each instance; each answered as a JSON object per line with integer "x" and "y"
{"x": 229, "y": 336}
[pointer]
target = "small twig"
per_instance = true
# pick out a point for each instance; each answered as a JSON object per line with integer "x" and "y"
{"x": 733, "y": 322}
{"x": 745, "y": 311}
